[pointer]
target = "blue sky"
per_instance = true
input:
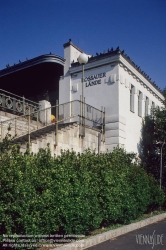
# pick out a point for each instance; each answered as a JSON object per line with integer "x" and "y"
{"x": 30, "y": 28}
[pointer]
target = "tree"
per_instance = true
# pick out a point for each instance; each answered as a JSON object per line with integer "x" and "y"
{"x": 153, "y": 136}
{"x": 164, "y": 94}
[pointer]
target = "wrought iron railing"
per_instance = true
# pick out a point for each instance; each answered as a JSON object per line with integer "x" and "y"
{"x": 16, "y": 104}
{"x": 59, "y": 114}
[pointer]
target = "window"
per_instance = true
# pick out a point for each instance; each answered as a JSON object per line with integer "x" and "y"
{"x": 146, "y": 106}
{"x": 132, "y": 98}
{"x": 152, "y": 108}
{"x": 140, "y": 104}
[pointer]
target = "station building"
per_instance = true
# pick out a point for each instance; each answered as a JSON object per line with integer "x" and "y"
{"x": 111, "y": 81}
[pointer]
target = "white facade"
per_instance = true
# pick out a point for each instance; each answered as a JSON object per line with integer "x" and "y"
{"x": 111, "y": 81}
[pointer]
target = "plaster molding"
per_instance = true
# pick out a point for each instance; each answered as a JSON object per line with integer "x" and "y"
{"x": 140, "y": 78}
{"x": 115, "y": 118}
{"x": 129, "y": 86}
{"x": 117, "y": 77}
{"x": 122, "y": 62}
{"x": 74, "y": 87}
{"x": 96, "y": 64}
{"x": 126, "y": 83}
{"x": 144, "y": 97}
{"x": 122, "y": 80}
{"x": 150, "y": 102}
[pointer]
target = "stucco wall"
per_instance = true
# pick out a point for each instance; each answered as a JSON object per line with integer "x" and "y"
{"x": 68, "y": 139}
{"x": 133, "y": 124}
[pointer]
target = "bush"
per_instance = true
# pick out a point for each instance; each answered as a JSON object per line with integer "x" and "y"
{"x": 72, "y": 193}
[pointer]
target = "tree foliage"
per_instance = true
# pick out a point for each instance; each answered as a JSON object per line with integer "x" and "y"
{"x": 153, "y": 136}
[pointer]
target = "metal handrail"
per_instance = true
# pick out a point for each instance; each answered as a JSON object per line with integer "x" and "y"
{"x": 35, "y": 112}
{"x": 64, "y": 112}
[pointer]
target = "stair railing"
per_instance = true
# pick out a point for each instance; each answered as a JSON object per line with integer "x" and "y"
{"x": 53, "y": 116}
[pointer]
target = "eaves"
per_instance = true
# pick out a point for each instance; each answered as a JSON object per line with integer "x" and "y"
{"x": 32, "y": 62}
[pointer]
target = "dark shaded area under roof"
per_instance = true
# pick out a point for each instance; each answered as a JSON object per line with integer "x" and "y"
{"x": 33, "y": 78}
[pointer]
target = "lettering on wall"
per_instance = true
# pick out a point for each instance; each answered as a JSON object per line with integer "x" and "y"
{"x": 94, "y": 79}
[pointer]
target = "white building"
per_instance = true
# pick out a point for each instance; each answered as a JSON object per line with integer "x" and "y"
{"x": 113, "y": 81}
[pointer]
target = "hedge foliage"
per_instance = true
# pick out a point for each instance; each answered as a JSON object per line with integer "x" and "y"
{"x": 71, "y": 193}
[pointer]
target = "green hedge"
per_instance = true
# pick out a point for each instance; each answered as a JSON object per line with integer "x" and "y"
{"x": 74, "y": 193}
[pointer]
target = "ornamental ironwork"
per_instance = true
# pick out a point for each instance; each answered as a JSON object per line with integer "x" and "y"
{"x": 9, "y": 103}
{"x": 17, "y": 104}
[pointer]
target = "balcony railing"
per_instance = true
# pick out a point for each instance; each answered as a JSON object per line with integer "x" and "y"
{"x": 16, "y": 104}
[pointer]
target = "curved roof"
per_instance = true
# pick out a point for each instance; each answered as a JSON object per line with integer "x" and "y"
{"x": 48, "y": 58}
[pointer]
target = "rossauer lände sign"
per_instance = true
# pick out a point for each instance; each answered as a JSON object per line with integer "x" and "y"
{"x": 94, "y": 79}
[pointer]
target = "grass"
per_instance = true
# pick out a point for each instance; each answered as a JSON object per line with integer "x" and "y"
{"x": 115, "y": 226}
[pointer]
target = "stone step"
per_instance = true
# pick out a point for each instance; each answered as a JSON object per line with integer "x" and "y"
{"x": 41, "y": 137}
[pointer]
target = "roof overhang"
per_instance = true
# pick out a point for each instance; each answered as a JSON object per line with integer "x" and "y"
{"x": 32, "y": 62}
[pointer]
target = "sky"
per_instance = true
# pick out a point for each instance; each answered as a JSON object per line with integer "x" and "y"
{"x": 30, "y": 28}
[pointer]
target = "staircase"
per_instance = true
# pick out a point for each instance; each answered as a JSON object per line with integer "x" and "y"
{"x": 68, "y": 139}
{"x": 63, "y": 134}
{"x": 42, "y": 137}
